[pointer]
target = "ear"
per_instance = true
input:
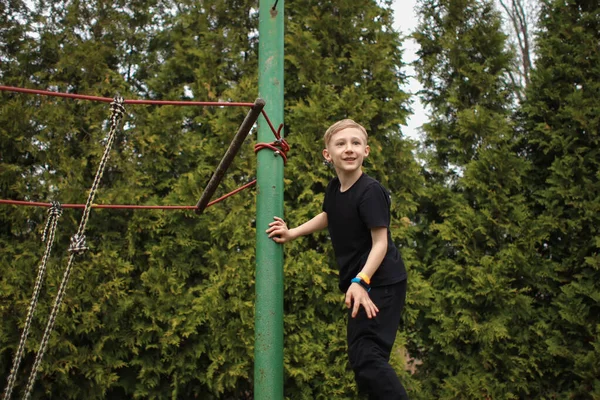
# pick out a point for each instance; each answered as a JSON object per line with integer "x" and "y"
{"x": 326, "y": 155}
{"x": 367, "y": 150}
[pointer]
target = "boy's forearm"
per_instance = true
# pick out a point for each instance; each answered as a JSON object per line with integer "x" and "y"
{"x": 317, "y": 223}
{"x": 377, "y": 253}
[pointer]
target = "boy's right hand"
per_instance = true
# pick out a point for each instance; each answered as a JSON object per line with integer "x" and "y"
{"x": 279, "y": 232}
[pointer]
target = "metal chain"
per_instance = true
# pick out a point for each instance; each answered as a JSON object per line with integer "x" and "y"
{"x": 54, "y": 214}
{"x": 77, "y": 241}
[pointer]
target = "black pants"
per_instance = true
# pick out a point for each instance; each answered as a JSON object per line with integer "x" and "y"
{"x": 370, "y": 343}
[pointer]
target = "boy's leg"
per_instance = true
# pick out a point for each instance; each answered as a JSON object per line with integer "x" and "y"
{"x": 370, "y": 343}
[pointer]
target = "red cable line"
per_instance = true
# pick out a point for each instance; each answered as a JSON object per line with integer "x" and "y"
{"x": 108, "y": 99}
{"x": 276, "y": 133}
{"x": 282, "y": 149}
{"x": 125, "y": 206}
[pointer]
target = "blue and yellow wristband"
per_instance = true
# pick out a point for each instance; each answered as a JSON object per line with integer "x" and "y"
{"x": 362, "y": 283}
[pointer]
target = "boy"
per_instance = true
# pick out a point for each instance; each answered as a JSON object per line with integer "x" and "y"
{"x": 356, "y": 210}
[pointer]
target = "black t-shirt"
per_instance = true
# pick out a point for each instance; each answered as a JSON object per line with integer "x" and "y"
{"x": 350, "y": 217}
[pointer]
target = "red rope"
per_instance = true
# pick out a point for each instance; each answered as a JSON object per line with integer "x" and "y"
{"x": 276, "y": 133}
{"x": 279, "y": 146}
{"x": 127, "y": 206}
{"x": 247, "y": 185}
{"x": 108, "y": 99}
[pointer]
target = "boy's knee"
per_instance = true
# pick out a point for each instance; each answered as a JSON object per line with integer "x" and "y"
{"x": 363, "y": 373}
{"x": 363, "y": 355}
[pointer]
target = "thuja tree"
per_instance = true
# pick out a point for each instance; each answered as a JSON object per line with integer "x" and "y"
{"x": 342, "y": 61}
{"x": 562, "y": 129}
{"x": 147, "y": 312}
{"x": 50, "y": 149}
{"x": 475, "y": 333}
{"x": 161, "y": 306}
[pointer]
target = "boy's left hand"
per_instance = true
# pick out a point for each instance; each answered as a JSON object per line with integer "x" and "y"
{"x": 357, "y": 296}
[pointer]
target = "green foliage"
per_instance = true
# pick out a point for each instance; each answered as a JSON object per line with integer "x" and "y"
{"x": 498, "y": 223}
{"x": 478, "y": 329}
{"x": 162, "y": 305}
{"x": 562, "y": 130}
{"x": 462, "y": 68}
{"x": 342, "y": 60}
{"x": 508, "y": 223}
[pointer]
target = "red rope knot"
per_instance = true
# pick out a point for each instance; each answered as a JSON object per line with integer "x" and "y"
{"x": 279, "y": 146}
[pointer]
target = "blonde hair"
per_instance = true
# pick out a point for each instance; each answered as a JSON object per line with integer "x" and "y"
{"x": 340, "y": 126}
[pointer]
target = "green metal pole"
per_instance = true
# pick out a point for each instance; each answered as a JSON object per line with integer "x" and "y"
{"x": 268, "y": 323}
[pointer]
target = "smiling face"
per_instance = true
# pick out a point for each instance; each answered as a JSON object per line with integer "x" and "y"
{"x": 346, "y": 150}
